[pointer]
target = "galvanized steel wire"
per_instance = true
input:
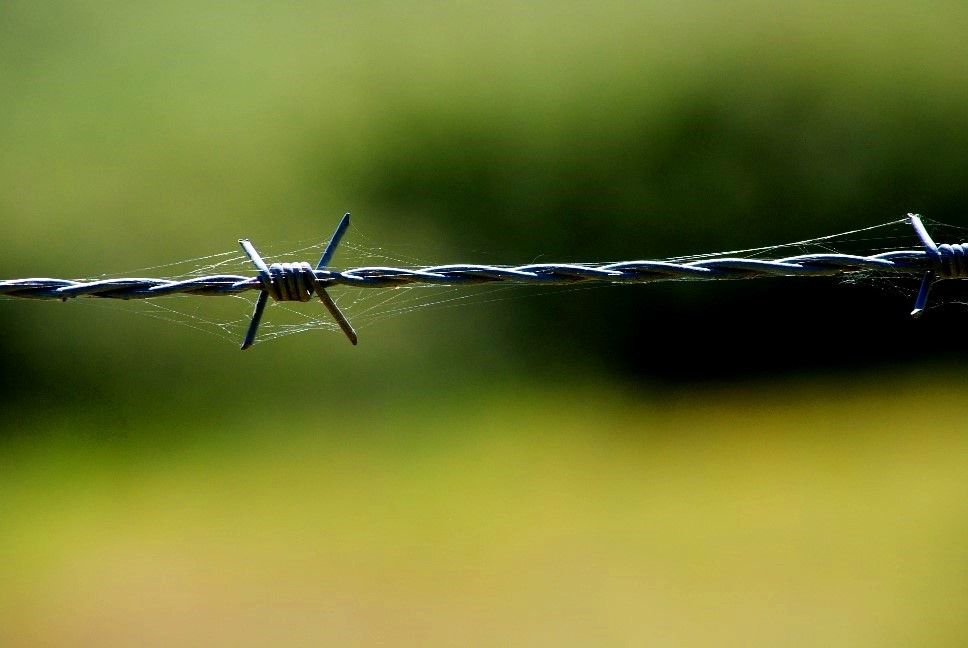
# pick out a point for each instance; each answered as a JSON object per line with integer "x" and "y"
{"x": 299, "y": 281}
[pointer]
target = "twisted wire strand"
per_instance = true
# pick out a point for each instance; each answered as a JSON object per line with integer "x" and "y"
{"x": 300, "y": 281}
{"x": 294, "y": 281}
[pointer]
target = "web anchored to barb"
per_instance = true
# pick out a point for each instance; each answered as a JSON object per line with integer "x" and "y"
{"x": 299, "y": 281}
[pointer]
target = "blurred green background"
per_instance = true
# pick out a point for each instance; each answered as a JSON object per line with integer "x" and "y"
{"x": 756, "y": 463}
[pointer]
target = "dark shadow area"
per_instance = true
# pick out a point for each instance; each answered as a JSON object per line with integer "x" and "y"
{"x": 720, "y": 170}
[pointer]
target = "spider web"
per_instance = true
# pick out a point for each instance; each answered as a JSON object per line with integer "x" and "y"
{"x": 227, "y": 317}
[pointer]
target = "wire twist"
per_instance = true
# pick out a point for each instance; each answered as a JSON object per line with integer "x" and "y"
{"x": 289, "y": 281}
{"x": 300, "y": 281}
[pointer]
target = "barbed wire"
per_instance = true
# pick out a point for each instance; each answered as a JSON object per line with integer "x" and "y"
{"x": 300, "y": 281}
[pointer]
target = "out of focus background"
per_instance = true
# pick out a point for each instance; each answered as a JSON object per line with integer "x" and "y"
{"x": 749, "y": 463}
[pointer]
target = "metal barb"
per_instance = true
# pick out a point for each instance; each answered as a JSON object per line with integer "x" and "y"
{"x": 295, "y": 281}
{"x": 324, "y": 297}
{"x": 921, "y": 302}
{"x": 344, "y": 224}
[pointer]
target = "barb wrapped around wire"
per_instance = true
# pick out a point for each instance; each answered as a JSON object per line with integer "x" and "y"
{"x": 295, "y": 282}
{"x": 299, "y": 281}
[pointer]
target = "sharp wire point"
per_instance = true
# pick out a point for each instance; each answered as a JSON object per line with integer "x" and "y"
{"x": 334, "y": 240}
{"x": 260, "y": 306}
{"x": 254, "y": 256}
{"x": 337, "y": 314}
{"x": 324, "y": 297}
{"x": 922, "y": 233}
{"x": 931, "y": 248}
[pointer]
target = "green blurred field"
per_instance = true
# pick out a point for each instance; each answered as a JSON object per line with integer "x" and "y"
{"x": 799, "y": 514}
{"x": 144, "y": 130}
{"x": 530, "y": 472}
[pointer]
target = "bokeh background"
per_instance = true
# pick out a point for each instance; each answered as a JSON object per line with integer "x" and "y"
{"x": 752, "y": 463}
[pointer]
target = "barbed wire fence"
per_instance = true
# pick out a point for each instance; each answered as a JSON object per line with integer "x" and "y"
{"x": 299, "y": 281}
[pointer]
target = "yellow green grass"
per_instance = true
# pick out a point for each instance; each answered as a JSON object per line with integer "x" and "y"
{"x": 797, "y": 514}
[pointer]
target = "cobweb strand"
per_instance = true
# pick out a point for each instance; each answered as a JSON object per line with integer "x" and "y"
{"x": 366, "y": 307}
